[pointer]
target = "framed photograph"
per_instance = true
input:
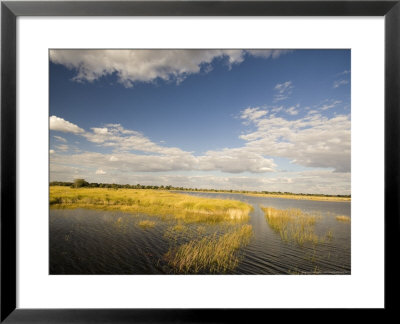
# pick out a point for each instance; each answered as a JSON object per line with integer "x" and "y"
{"x": 161, "y": 160}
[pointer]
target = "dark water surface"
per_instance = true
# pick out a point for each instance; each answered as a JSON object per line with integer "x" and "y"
{"x": 107, "y": 242}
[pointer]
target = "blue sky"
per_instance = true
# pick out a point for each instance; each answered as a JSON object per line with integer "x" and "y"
{"x": 275, "y": 120}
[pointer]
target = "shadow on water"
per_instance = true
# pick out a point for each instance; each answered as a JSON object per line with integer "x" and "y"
{"x": 107, "y": 242}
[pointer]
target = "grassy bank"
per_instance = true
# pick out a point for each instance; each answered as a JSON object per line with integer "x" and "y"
{"x": 294, "y": 225}
{"x": 210, "y": 254}
{"x": 151, "y": 202}
{"x": 343, "y": 218}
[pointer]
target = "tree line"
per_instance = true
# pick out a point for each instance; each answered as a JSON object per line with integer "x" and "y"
{"x": 81, "y": 183}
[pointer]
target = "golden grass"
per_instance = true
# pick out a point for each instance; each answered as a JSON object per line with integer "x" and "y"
{"x": 146, "y": 224}
{"x": 151, "y": 202}
{"x": 294, "y": 225}
{"x": 343, "y": 218}
{"x": 210, "y": 254}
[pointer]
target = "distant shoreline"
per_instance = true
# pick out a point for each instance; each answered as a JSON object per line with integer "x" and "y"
{"x": 284, "y": 196}
{"x": 304, "y": 197}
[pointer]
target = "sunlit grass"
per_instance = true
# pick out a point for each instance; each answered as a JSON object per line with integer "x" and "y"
{"x": 151, "y": 202}
{"x": 146, "y": 224}
{"x": 210, "y": 254}
{"x": 343, "y": 218}
{"x": 294, "y": 225}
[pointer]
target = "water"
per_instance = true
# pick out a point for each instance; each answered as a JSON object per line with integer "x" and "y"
{"x": 108, "y": 242}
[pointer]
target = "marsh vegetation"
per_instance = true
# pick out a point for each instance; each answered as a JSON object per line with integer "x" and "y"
{"x": 210, "y": 254}
{"x": 295, "y": 225}
{"x": 151, "y": 202}
{"x": 146, "y": 224}
{"x": 343, "y": 218}
{"x": 108, "y": 231}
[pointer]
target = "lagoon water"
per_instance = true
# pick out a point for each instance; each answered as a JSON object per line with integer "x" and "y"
{"x": 107, "y": 242}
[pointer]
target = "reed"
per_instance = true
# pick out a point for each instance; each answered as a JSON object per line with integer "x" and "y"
{"x": 151, "y": 202}
{"x": 146, "y": 224}
{"x": 293, "y": 225}
{"x": 176, "y": 232}
{"x": 210, "y": 254}
{"x": 343, "y": 218}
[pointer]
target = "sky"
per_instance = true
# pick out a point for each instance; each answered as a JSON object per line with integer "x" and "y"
{"x": 263, "y": 120}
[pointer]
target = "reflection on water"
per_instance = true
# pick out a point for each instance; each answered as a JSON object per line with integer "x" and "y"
{"x": 108, "y": 242}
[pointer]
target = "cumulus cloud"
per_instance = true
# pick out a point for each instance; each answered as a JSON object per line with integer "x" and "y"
{"x": 132, "y": 66}
{"x": 312, "y": 141}
{"x": 132, "y": 151}
{"x": 124, "y": 140}
{"x": 227, "y": 160}
{"x": 61, "y": 125}
{"x": 235, "y": 161}
{"x": 283, "y": 90}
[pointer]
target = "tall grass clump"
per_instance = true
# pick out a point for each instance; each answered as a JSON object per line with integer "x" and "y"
{"x": 293, "y": 224}
{"x": 151, "y": 202}
{"x": 343, "y": 218}
{"x": 146, "y": 224}
{"x": 210, "y": 254}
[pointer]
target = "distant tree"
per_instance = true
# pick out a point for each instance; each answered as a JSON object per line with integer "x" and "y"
{"x": 79, "y": 183}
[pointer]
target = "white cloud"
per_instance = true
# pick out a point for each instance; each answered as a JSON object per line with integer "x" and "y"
{"x": 52, "y": 151}
{"x": 228, "y": 160}
{"x": 235, "y": 161}
{"x": 284, "y": 90}
{"x": 268, "y": 53}
{"x": 61, "y": 139}
{"x": 62, "y": 147}
{"x": 277, "y": 109}
{"x": 338, "y": 83}
{"x": 292, "y": 110}
{"x": 329, "y": 104}
{"x": 312, "y": 141}
{"x": 61, "y": 125}
{"x": 317, "y": 181}
{"x": 132, "y": 66}
{"x": 157, "y": 158}
{"x": 101, "y": 131}
{"x": 253, "y": 113}
{"x": 124, "y": 140}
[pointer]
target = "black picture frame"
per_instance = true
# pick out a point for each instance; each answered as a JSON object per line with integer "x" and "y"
{"x": 10, "y": 10}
